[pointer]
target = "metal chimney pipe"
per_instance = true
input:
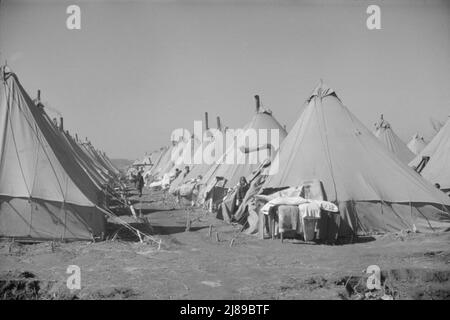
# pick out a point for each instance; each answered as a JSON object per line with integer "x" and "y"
{"x": 39, "y": 95}
{"x": 219, "y": 125}
{"x": 258, "y": 103}
{"x": 61, "y": 123}
{"x": 206, "y": 121}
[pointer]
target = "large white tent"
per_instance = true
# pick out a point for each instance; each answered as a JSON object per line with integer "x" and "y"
{"x": 437, "y": 169}
{"x": 46, "y": 191}
{"x": 233, "y": 170}
{"x": 385, "y": 133}
{"x": 374, "y": 190}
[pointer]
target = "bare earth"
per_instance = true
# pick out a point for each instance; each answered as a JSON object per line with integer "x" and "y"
{"x": 194, "y": 265}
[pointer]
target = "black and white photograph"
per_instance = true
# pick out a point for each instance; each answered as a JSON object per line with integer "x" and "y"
{"x": 229, "y": 156}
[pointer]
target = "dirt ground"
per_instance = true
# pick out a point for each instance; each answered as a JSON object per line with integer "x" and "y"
{"x": 202, "y": 265}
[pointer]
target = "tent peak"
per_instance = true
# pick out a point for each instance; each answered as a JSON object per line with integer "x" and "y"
{"x": 322, "y": 90}
{"x": 6, "y": 72}
{"x": 382, "y": 123}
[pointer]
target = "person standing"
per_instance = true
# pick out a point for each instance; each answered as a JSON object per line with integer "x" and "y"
{"x": 242, "y": 189}
{"x": 140, "y": 183}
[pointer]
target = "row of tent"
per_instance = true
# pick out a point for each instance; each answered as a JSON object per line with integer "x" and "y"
{"x": 437, "y": 169}
{"x": 52, "y": 186}
{"x": 168, "y": 159}
{"x": 369, "y": 175}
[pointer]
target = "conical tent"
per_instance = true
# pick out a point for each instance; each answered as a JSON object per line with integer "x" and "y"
{"x": 233, "y": 170}
{"x": 185, "y": 159}
{"x": 176, "y": 157}
{"x": 375, "y": 191}
{"x": 166, "y": 163}
{"x": 416, "y": 144}
{"x": 200, "y": 169}
{"x": 437, "y": 170}
{"x": 387, "y": 136}
{"x": 44, "y": 192}
{"x": 156, "y": 170}
{"x": 184, "y": 155}
{"x": 155, "y": 157}
{"x": 170, "y": 158}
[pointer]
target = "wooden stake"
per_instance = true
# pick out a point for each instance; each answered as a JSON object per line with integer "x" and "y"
{"x": 188, "y": 221}
{"x": 10, "y": 245}
{"x": 210, "y": 231}
{"x": 217, "y": 237}
{"x": 231, "y": 242}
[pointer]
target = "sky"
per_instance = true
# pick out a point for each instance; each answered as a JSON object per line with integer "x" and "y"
{"x": 137, "y": 70}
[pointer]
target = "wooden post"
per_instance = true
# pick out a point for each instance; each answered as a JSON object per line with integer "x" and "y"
{"x": 258, "y": 103}
{"x": 217, "y": 237}
{"x": 210, "y": 230}
{"x": 231, "y": 242}
{"x": 261, "y": 219}
{"x": 188, "y": 221}
{"x": 271, "y": 226}
{"x": 206, "y": 121}
{"x": 219, "y": 126}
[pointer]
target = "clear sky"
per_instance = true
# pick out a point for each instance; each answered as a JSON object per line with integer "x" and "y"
{"x": 139, "y": 69}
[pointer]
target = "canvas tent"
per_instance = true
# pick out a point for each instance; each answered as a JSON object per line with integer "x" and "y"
{"x": 177, "y": 156}
{"x": 99, "y": 159}
{"x": 155, "y": 157}
{"x": 89, "y": 166}
{"x": 416, "y": 144}
{"x": 233, "y": 170}
{"x": 200, "y": 169}
{"x": 203, "y": 145}
{"x": 375, "y": 191}
{"x": 383, "y": 131}
{"x": 437, "y": 169}
{"x": 44, "y": 191}
{"x": 101, "y": 171}
{"x": 157, "y": 169}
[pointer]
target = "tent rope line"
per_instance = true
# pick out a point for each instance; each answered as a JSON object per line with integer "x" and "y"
{"x": 129, "y": 227}
{"x": 327, "y": 147}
